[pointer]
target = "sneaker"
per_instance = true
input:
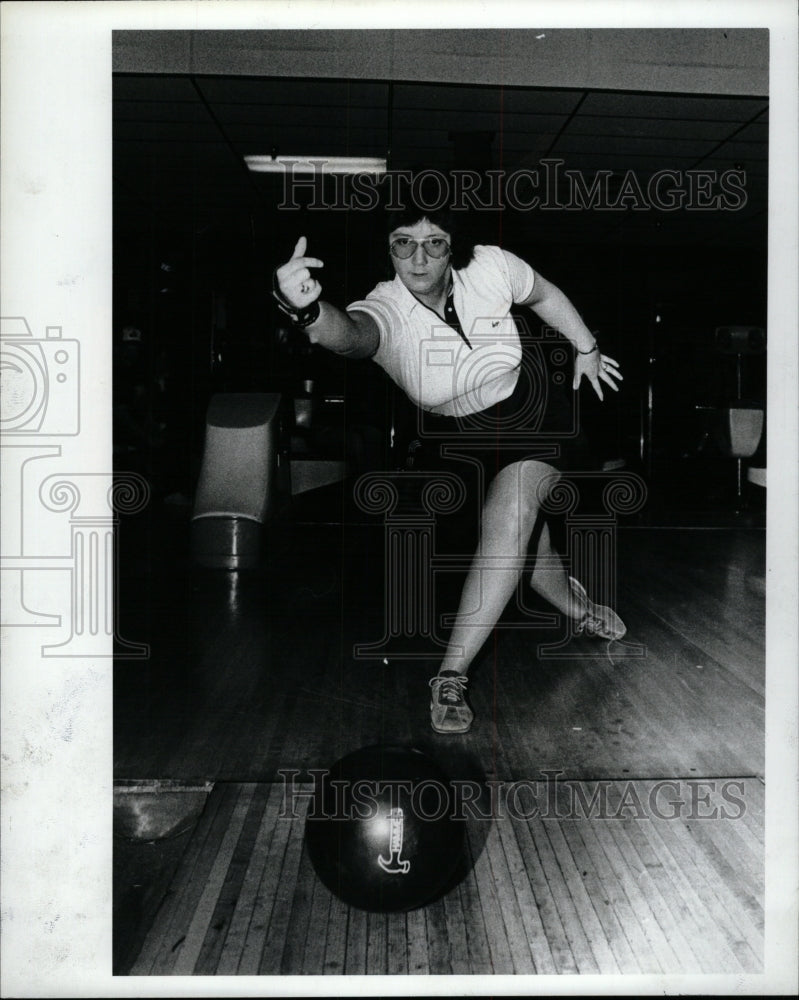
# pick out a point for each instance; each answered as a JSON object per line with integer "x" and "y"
{"x": 449, "y": 712}
{"x": 597, "y": 621}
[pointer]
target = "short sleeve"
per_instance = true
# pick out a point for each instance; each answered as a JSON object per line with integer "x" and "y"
{"x": 389, "y": 320}
{"x": 520, "y": 275}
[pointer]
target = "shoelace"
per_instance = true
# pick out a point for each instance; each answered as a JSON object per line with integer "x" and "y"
{"x": 595, "y": 625}
{"x": 590, "y": 623}
{"x": 449, "y": 688}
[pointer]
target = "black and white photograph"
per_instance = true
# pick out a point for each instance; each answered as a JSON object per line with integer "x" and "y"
{"x": 423, "y": 619}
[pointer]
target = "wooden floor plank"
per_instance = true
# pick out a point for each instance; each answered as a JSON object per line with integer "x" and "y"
{"x": 143, "y": 881}
{"x": 735, "y": 854}
{"x": 706, "y": 599}
{"x": 313, "y": 957}
{"x": 247, "y": 903}
{"x": 162, "y": 928}
{"x": 168, "y": 936}
{"x": 670, "y": 690}
{"x": 292, "y": 961}
{"x": 721, "y": 840}
{"x": 662, "y": 894}
{"x": 456, "y": 934}
{"x": 741, "y": 800}
{"x": 285, "y": 880}
{"x": 268, "y": 864}
{"x": 496, "y": 932}
{"x": 397, "y": 962}
{"x": 336, "y": 940}
{"x": 605, "y": 896}
{"x": 418, "y": 956}
{"x": 738, "y": 915}
{"x": 508, "y": 902}
{"x": 629, "y": 940}
{"x": 566, "y": 910}
{"x": 438, "y": 944}
{"x": 547, "y": 908}
{"x": 721, "y": 934}
{"x": 521, "y": 882}
{"x": 225, "y": 908}
{"x": 663, "y": 943}
{"x": 355, "y": 959}
{"x": 584, "y": 905}
{"x": 707, "y": 939}
{"x": 376, "y": 945}
{"x": 479, "y": 951}
{"x": 189, "y": 951}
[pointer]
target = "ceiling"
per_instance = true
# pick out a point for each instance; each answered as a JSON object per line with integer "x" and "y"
{"x": 179, "y": 143}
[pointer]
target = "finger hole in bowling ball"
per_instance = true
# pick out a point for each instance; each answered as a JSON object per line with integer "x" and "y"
{"x": 382, "y": 831}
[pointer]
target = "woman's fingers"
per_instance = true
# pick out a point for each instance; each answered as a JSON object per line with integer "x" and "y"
{"x": 597, "y": 370}
{"x": 294, "y": 278}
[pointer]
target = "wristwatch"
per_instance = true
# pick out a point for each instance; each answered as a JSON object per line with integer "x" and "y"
{"x": 299, "y": 317}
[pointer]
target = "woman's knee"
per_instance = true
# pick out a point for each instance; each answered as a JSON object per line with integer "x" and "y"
{"x": 537, "y": 481}
{"x": 516, "y": 495}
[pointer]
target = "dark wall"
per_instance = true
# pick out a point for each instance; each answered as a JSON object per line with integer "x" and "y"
{"x": 203, "y": 303}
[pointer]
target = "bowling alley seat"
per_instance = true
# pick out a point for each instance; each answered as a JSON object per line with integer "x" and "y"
{"x": 237, "y": 484}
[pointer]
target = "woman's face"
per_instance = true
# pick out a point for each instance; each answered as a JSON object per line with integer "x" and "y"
{"x": 420, "y": 273}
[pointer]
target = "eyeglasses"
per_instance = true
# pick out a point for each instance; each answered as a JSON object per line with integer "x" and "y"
{"x": 434, "y": 246}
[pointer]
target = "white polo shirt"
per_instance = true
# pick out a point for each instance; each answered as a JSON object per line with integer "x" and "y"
{"x": 429, "y": 360}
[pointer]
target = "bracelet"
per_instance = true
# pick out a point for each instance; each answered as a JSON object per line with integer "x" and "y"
{"x": 594, "y": 348}
{"x": 299, "y": 317}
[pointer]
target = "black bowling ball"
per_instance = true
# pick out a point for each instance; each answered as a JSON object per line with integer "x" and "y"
{"x": 382, "y": 830}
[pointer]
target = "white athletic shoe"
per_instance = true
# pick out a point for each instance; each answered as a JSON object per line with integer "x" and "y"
{"x": 598, "y": 621}
{"x": 449, "y": 712}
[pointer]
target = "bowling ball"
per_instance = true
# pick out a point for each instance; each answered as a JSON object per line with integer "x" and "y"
{"x": 382, "y": 831}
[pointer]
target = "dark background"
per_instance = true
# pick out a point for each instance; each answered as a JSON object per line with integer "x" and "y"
{"x": 196, "y": 237}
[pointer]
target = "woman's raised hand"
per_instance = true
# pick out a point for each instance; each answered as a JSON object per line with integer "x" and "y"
{"x": 294, "y": 281}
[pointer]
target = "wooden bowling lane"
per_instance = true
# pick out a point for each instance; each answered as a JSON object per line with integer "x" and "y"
{"x": 251, "y": 673}
{"x": 574, "y": 893}
{"x": 254, "y": 673}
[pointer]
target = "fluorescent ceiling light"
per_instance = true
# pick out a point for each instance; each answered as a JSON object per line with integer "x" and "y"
{"x": 316, "y": 164}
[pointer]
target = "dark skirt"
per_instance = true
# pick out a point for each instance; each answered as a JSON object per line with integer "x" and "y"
{"x": 539, "y": 420}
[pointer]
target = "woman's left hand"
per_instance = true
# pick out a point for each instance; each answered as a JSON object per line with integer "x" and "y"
{"x": 596, "y": 366}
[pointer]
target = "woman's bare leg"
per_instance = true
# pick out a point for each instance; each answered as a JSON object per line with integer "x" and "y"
{"x": 510, "y": 513}
{"x": 509, "y": 516}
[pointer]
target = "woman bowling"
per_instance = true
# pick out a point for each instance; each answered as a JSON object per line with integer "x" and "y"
{"x": 486, "y": 382}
